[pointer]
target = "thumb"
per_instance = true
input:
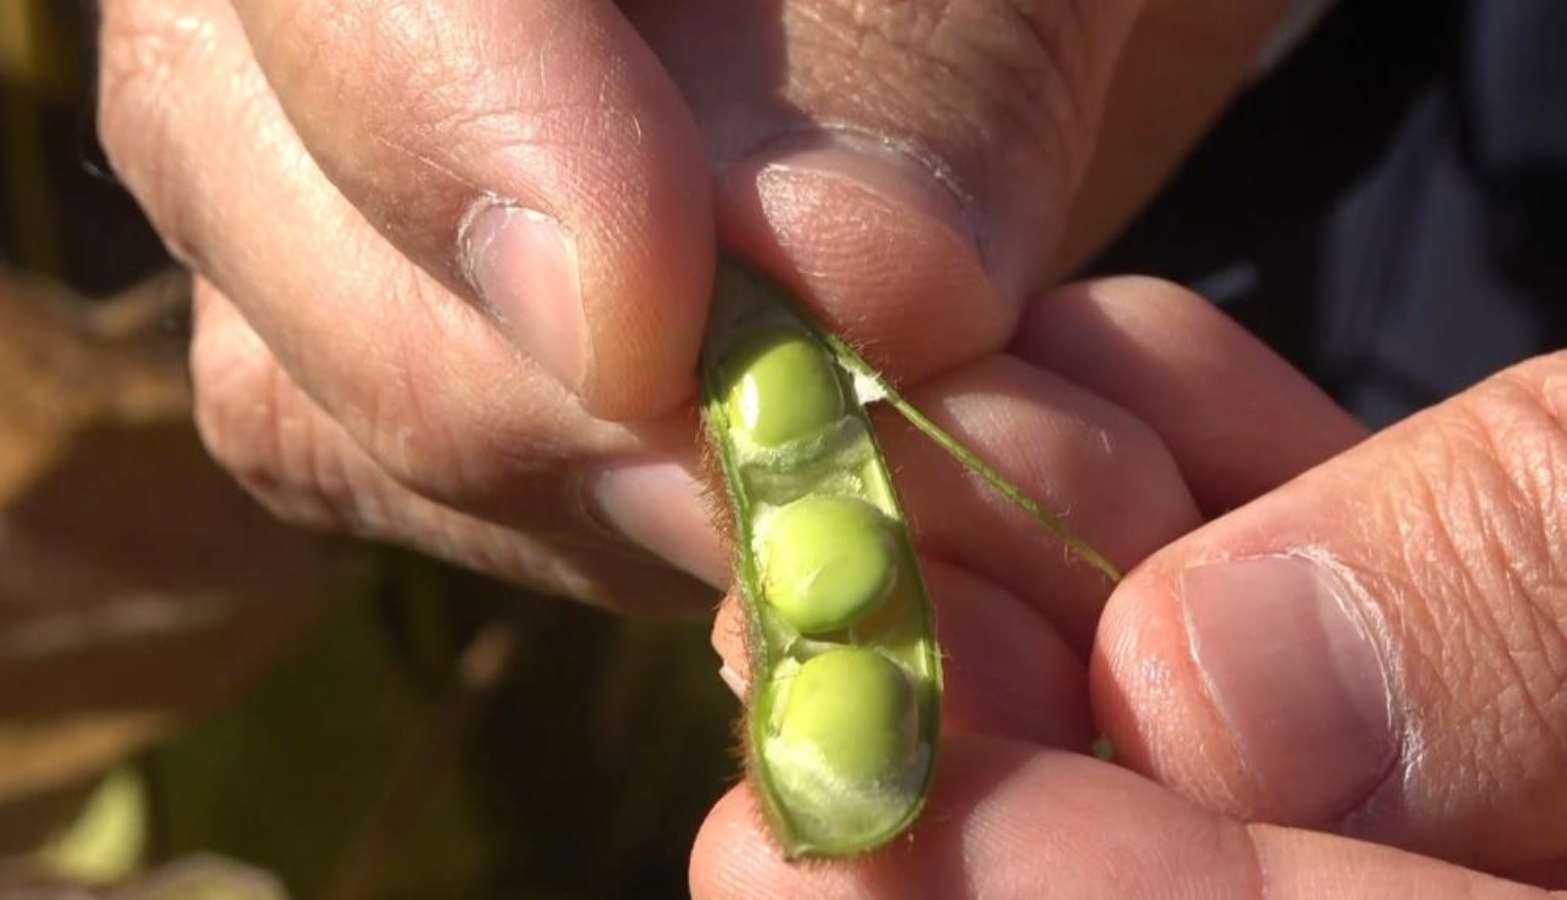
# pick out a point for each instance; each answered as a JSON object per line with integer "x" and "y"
{"x": 1378, "y": 647}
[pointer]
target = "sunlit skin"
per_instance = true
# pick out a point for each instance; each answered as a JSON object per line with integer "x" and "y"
{"x": 453, "y": 262}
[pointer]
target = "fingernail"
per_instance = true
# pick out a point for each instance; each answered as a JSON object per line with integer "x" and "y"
{"x": 896, "y": 175}
{"x": 658, "y": 506}
{"x": 524, "y": 266}
{"x": 1297, "y": 678}
{"x": 733, "y": 681}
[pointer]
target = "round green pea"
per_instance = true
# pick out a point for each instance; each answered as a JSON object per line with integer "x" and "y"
{"x": 827, "y": 562}
{"x": 855, "y": 709}
{"x": 781, "y": 387}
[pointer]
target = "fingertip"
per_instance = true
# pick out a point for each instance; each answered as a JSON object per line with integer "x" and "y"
{"x": 733, "y": 856}
{"x": 617, "y": 320}
{"x": 874, "y": 240}
{"x": 1218, "y": 396}
{"x": 1008, "y": 672}
{"x": 1245, "y": 683}
{"x": 1063, "y": 445}
{"x": 723, "y": 844}
{"x": 1293, "y": 661}
{"x": 646, "y": 319}
{"x": 656, "y": 503}
{"x": 1148, "y": 696}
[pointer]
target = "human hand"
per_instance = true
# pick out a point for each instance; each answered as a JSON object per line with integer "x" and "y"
{"x": 453, "y": 256}
{"x": 1011, "y": 819}
{"x": 1376, "y": 648}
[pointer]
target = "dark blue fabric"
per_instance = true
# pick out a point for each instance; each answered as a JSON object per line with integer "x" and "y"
{"x": 1514, "y": 130}
{"x": 1389, "y": 208}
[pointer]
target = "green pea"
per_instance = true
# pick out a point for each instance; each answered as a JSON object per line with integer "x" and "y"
{"x": 827, "y": 562}
{"x": 782, "y": 387}
{"x": 853, "y": 710}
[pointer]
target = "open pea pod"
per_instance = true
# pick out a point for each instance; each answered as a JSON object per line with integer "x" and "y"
{"x": 844, "y": 710}
{"x": 845, "y": 699}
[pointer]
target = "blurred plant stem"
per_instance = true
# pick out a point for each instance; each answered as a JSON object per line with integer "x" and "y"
{"x": 432, "y": 750}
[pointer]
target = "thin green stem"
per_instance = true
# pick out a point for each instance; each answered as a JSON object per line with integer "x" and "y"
{"x": 969, "y": 460}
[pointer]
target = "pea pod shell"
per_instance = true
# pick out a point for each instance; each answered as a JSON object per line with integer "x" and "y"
{"x": 850, "y": 776}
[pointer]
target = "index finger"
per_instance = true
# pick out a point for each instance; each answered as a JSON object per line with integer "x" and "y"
{"x": 534, "y": 157}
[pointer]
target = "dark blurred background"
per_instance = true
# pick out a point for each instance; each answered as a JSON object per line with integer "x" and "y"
{"x": 1388, "y": 209}
{"x": 197, "y": 702}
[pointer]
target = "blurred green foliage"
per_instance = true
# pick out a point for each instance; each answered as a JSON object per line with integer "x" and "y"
{"x": 365, "y": 766}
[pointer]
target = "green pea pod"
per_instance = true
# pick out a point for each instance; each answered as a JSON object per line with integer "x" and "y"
{"x": 844, "y": 709}
{"x": 845, "y": 699}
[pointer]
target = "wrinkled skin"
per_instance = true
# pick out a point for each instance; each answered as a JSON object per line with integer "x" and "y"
{"x": 452, "y": 265}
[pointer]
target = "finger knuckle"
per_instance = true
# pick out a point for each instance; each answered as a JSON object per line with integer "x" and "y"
{"x": 1023, "y": 68}
{"x": 1493, "y": 481}
{"x": 1518, "y": 484}
{"x": 257, "y": 425}
{"x": 440, "y": 435}
{"x": 418, "y": 423}
{"x": 412, "y": 435}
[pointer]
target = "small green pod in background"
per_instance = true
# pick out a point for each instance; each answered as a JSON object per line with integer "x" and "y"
{"x": 845, "y": 698}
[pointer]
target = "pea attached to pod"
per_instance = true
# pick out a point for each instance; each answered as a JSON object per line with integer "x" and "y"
{"x": 782, "y": 387}
{"x": 827, "y": 561}
{"x": 854, "y": 708}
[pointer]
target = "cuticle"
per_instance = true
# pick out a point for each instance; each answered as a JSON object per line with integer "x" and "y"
{"x": 466, "y": 260}
{"x": 467, "y": 254}
{"x": 588, "y": 510}
{"x": 1370, "y": 617}
{"x": 1210, "y": 693}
